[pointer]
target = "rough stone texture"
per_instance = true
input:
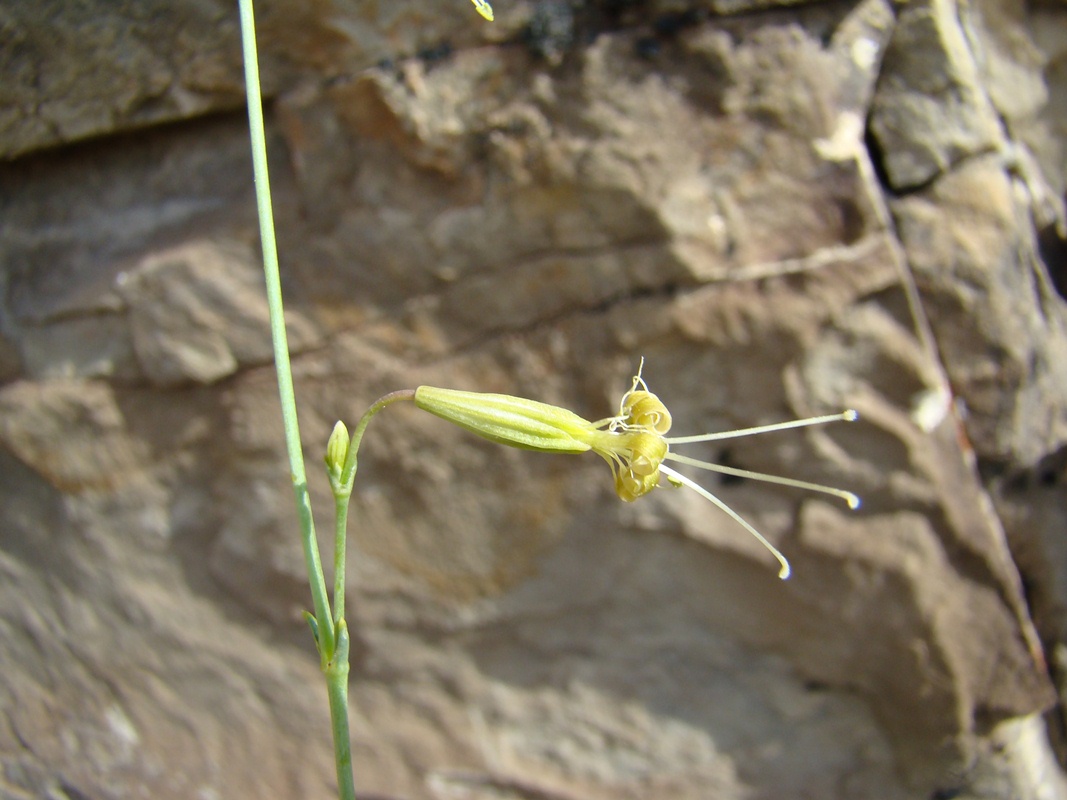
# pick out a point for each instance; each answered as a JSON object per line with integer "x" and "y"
{"x": 97, "y": 67}
{"x": 931, "y": 109}
{"x": 747, "y": 201}
{"x": 122, "y": 65}
{"x": 975, "y": 261}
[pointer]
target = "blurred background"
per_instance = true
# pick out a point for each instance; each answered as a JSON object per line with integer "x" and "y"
{"x": 787, "y": 208}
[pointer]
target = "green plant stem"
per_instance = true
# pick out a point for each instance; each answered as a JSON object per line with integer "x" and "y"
{"x": 330, "y": 638}
{"x": 337, "y": 689}
{"x": 338, "y": 667}
{"x": 343, "y": 494}
{"x": 277, "y": 328}
{"x": 340, "y": 538}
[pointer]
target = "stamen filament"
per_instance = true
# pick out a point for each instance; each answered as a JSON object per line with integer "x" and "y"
{"x": 785, "y": 570}
{"x": 845, "y": 416}
{"x": 853, "y": 500}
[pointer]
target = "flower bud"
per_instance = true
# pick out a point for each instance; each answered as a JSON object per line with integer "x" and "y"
{"x": 337, "y": 450}
{"x": 514, "y": 421}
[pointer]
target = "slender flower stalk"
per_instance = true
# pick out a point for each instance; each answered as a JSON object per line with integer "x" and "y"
{"x": 633, "y": 442}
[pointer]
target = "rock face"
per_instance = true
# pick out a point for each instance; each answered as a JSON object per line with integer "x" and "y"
{"x": 787, "y": 209}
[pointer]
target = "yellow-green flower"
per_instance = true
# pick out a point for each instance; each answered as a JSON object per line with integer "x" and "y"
{"x": 633, "y": 442}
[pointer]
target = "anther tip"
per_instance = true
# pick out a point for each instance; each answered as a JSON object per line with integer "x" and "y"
{"x": 853, "y": 501}
{"x": 851, "y": 415}
{"x": 785, "y": 572}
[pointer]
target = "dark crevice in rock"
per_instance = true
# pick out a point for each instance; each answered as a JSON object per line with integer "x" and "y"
{"x": 71, "y": 791}
{"x": 947, "y": 792}
{"x": 1052, "y": 471}
{"x": 1024, "y": 498}
{"x": 1052, "y": 247}
{"x": 558, "y": 27}
{"x": 666, "y": 290}
{"x": 877, "y": 157}
{"x": 899, "y": 192}
{"x": 992, "y": 470}
{"x": 552, "y": 30}
{"x": 725, "y": 458}
{"x": 632, "y": 295}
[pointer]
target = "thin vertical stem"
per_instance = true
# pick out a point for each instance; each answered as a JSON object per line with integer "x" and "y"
{"x": 337, "y": 688}
{"x": 277, "y": 329}
{"x": 340, "y": 540}
{"x": 331, "y": 638}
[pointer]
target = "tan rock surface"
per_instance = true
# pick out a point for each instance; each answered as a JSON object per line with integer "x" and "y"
{"x": 530, "y": 209}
